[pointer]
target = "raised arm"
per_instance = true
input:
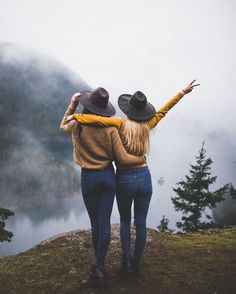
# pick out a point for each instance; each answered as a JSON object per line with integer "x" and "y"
{"x": 164, "y": 109}
{"x": 67, "y": 126}
{"x": 121, "y": 156}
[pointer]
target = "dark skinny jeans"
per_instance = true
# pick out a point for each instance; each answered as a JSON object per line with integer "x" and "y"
{"x": 98, "y": 191}
{"x": 133, "y": 185}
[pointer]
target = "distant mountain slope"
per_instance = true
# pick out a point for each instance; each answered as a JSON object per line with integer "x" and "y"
{"x": 34, "y": 93}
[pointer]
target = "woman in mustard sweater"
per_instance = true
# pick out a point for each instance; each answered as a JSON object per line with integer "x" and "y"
{"x": 133, "y": 183}
{"x": 94, "y": 150}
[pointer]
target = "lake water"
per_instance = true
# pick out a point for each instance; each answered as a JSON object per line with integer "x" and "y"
{"x": 29, "y": 230}
{"x": 70, "y": 214}
{"x": 67, "y": 215}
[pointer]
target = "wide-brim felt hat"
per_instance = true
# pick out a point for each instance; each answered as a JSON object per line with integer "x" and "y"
{"x": 136, "y": 106}
{"x": 97, "y": 101}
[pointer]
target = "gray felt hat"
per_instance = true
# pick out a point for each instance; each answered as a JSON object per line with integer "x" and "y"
{"x": 97, "y": 101}
{"x": 136, "y": 106}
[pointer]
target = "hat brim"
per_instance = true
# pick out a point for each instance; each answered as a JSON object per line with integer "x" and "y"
{"x": 141, "y": 115}
{"x": 109, "y": 110}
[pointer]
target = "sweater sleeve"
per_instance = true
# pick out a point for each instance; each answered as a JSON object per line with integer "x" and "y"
{"x": 65, "y": 126}
{"x": 121, "y": 156}
{"x": 96, "y": 119}
{"x": 164, "y": 109}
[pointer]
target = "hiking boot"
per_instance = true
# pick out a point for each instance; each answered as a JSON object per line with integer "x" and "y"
{"x": 100, "y": 276}
{"x": 135, "y": 268}
{"x": 95, "y": 278}
{"x": 125, "y": 270}
{"x": 90, "y": 280}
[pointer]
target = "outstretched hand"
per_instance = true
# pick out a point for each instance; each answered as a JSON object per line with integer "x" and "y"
{"x": 190, "y": 87}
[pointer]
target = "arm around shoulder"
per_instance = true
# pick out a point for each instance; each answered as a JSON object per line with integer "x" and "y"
{"x": 97, "y": 119}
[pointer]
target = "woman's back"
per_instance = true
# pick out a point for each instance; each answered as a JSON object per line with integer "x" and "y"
{"x": 95, "y": 147}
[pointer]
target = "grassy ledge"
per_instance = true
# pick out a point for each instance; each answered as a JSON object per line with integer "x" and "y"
{"x": 203, "y": 262}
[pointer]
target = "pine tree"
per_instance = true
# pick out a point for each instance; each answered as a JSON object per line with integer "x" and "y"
{"x": 194, "y": 195}
{"x": 4, "y": 234}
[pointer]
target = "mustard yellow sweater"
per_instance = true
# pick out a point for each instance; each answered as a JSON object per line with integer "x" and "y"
{"x": 119, "y": 122}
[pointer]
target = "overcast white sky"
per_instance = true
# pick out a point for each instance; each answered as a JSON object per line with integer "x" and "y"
{"x": 155, "y": 46}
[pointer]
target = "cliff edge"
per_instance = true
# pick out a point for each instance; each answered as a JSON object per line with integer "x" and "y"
{"x": 203, "y": 262}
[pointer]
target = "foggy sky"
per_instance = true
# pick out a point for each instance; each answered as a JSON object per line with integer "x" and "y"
{"x": 156, "y": 47}
{"x": 153, "y": 46}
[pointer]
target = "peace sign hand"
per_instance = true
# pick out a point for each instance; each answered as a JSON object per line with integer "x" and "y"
{"x": 190, "y": 87}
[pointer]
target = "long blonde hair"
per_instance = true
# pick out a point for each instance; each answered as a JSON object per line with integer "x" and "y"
{"x": 136, "y": 137}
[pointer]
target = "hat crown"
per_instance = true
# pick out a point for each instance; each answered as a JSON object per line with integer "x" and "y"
{"x": 138, "y": 100}
{"x": 99, "y": 97}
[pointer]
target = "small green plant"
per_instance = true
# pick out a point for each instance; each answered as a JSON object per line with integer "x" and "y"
{"x": 4, "y": 234}
{"x": 163, "y": 227}
{"x": 232, "y": 191}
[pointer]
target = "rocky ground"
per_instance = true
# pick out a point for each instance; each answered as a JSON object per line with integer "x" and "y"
{"x": 203, "y": 262}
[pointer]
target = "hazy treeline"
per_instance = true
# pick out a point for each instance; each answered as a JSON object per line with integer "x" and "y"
{"x": 36, "y": 166}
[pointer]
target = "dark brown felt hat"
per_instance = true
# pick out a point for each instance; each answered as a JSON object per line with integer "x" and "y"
{"x": 136, "y": 106}
{"x": 97, "y": 101}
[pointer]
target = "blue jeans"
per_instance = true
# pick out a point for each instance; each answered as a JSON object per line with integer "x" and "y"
{"x": 133, "y": 185}
{"x": 98, "y": 191}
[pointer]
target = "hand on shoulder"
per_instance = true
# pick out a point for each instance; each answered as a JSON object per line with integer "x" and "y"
{"x": 75, "y": 99}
